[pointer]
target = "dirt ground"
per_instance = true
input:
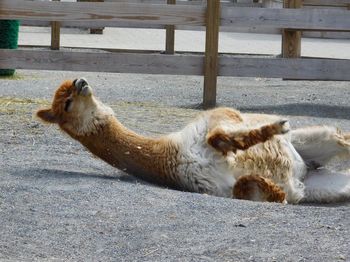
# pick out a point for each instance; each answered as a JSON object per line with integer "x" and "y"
{"x": 59, "y": 203}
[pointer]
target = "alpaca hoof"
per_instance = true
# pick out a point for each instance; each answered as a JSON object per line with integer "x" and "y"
{"x": 283, "y": 126}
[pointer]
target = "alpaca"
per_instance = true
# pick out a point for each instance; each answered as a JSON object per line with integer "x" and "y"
{"x": 222, "y": 152}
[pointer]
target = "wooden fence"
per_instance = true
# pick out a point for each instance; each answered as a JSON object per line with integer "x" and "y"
{"x": 213, "y": 16}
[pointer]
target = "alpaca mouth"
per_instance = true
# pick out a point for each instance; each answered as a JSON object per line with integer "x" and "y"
{"x": 85, "y": 91}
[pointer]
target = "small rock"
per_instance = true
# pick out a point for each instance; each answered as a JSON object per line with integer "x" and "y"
{"x": 34, "y": 125}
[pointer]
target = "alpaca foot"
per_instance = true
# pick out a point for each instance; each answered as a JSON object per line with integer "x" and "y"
{"x": 347, "y": 136}
{"x": 244, "y": 139}
{"x": 281, "y": 127}
{"x": 257, "y": 188}
{"x": 346, "y": 139}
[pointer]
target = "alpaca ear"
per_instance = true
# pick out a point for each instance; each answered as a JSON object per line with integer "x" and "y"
{"x": 47, "y": 116}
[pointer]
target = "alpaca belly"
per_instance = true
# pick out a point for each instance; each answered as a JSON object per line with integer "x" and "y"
{"x": 205, "y": 171}
{"x": 207, "y": 180}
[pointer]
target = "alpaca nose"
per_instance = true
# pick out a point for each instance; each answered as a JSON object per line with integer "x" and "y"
{"x": 82, "y": 86}
{"x": 80, "y": 82}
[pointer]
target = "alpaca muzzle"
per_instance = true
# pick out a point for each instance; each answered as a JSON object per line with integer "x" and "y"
{"x": 82, "y": 87}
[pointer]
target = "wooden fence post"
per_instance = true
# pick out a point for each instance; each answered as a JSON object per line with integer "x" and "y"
{"x": 211, "y": 53}
{"x": 170, "y": 35}
{"x": 94, "y": 31}
{"x": 55, "y": 34}
{"x": 291, "y": 40}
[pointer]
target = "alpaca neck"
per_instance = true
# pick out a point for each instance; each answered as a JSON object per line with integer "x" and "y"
{"x": 150, "y": 159}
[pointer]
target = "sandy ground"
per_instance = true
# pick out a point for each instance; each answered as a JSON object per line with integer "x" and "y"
{"x": 59, "y": 203}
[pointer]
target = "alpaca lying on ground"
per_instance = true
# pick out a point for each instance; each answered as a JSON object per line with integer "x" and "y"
{"x": 222, "y": 152}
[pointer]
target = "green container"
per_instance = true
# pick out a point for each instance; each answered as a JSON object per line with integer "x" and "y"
{"x": 8, "y": 40}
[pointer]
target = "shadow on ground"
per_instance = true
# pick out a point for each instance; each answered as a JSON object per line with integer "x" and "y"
{"x": 302, "y": 109}
{"x": 54, "y": 174}
{"x": 324, "y": 111}
{"x": 66, "y": 174}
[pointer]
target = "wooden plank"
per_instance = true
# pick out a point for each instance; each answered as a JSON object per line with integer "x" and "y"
{"x": 327, "y": 2}
{"x": 170, "y": 35}
{"x": 103, "y": 12}
{"x": 326, "y": 35}
{"x": 311, "y": 3}
{"x": 92, "y": 24}
{"x": 211, "y": 53}
{"x": 324, "y": 7}
{"x": 290, "y": 68}
{"x": 94, "y": 30}
{"x": 102, "y": 62}
{"x": 55, "y": 34}
{"x": 291, "y": 40}
{"x": 315, "y": 19}
{"x": 152, "y": 63}
{"x": 291, "y": 44}
{"x": 185, "y": 2}
{"x": 109, "y": 14}
{"x": 233, "y": 19}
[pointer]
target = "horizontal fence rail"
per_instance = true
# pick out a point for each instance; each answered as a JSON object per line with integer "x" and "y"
{"x": 141, "y": 63}
{"x": 114, "y": 14}
{"x": 180, "y": 64}
{"x": 185, "y": 2}
{"x": 301, "y": 19}
{"x": 109, "y": 13}
{"x": 327, "y": 2}
{"x": 290, "y": 68}
{"x": 182, "y": 15}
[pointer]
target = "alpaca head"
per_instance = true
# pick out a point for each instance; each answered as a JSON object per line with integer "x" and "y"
{"x": 75, "y": 109}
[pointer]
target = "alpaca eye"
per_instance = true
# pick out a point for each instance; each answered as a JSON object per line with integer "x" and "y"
{"x": 67, "y": 104}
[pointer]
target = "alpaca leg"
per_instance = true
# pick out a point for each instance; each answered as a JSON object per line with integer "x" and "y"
{"x": 324, "y": 186}
{"x": 243, "y": 139}
{"x": 317, "y": 145}
{"x": 257, "y": 188}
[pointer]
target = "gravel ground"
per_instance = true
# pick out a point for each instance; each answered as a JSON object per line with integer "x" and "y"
{"x": 154, "y": 39}
{"x": 59, "y": 203}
